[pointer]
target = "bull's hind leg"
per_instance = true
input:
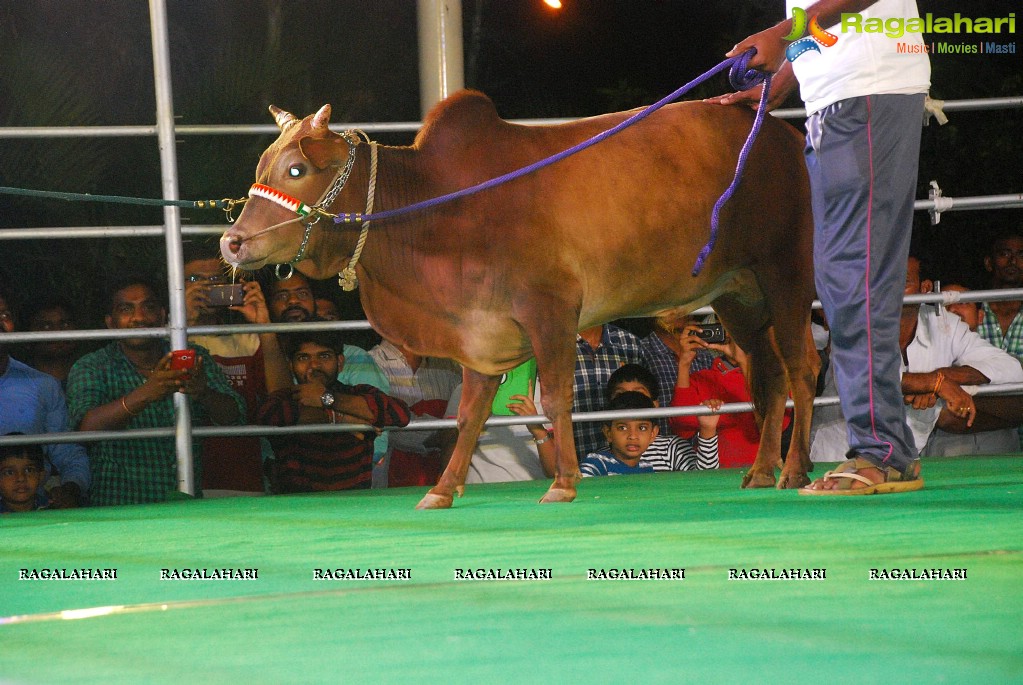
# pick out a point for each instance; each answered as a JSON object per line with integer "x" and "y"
{"x": 745, "y": 317}
{"x": 766, "y": 379}
{"x": 792, "y": 340}
{"x": 802, "y": 367}
{"x": 478, "y": 393}
{"x": 789, "y": 370}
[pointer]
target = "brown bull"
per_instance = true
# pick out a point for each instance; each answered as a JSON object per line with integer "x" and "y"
{"x": 496, "y": 277}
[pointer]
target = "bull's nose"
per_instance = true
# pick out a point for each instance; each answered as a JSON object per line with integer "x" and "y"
{"x": 233, "y": 243}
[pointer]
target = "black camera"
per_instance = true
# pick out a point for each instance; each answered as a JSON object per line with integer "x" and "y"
{"x": 711, "y": 333}
{"x": 227, "y": 295}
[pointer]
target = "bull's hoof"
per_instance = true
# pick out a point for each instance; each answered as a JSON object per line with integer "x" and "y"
{"x": 558, "y": 495}
{"x": 792, "y": 481}
{"x": 757, "y": 479}
{"x": 434, "y": 501}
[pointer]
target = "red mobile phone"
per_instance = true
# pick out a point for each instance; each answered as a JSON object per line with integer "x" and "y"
{"x": 182, "y": 360}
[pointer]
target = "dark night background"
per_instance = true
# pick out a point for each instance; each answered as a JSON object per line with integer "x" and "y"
{"x": 88, "y": 62}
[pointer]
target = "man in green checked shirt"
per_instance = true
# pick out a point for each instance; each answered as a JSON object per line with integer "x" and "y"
{"x": 1001, "y": 322}
{"x": 130, "y": 384}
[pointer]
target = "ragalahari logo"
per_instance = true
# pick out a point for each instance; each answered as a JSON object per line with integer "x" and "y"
{"x": 801, "y": 45}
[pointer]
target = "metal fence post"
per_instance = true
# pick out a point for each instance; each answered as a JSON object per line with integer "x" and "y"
{"x": 172, "y": 221}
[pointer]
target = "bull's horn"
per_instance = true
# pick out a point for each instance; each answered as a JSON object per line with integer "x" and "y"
{"x": 321, "y": 119}
{"x": 284, "y": 119}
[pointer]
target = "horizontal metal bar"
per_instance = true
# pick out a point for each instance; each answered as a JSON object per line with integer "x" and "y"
{"x": 88, "y": 334}
{"x": 944, "y": 298}
{"x": 272, "y": 129}
{"x": 388, "y": 127}
{"x": 74, "y": 232}
{"x": 966, "y": 105}
{"x": 943, "y": 203}
{"x": 361, "y": 325}
{"x": 76, "y": 131}
{"x": 188, "y": 130}
{"x": 426, "y": 424}
{"x": 227, "y": 329}
{"x": 950, "y": 297}
{"x": 980, "y": 104}
{"x": 951, "y": 204}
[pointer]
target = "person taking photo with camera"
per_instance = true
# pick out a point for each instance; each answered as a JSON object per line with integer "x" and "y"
{"x": 253, "y": 363}
{"x": 723, "y": 383}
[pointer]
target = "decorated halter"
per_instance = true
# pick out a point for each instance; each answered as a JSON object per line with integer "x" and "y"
{"x": 282, "y": 199}
{"x": 318, "y": 210}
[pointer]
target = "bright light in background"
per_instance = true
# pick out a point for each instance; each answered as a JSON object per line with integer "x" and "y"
{"x": 556, "y": 4}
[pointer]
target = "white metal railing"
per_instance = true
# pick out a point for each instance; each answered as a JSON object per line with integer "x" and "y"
{"x": 943, "y": 298}
{"x": 428, "y": 424}
{"x": 934, "y": 205}
{"x": 966, "y": 105}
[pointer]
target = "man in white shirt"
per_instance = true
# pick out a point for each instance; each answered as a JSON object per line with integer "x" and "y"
{"x": 507, "y": 453}
{"x": 944, "y": 362}
{"x": 945, "y": 444}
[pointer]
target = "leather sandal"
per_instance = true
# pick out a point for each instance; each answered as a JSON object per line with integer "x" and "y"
{"x": 848, "y": 472}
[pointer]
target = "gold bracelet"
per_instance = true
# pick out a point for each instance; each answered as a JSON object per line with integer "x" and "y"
{"x": 125, "y": 405}
{"x": 937, "y": 384}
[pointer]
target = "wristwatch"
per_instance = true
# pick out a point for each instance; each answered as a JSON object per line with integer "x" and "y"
{"x": 327, "y": 400}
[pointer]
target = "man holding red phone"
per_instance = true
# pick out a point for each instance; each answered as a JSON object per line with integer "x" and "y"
{"x": 129, "y": 384}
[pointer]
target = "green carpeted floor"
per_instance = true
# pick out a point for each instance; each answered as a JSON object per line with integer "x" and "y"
{"x": 286, "y": 626}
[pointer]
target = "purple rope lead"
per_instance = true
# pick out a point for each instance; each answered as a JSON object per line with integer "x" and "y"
{"x": 740, "y": 82}
{"x": 741, "y": 77}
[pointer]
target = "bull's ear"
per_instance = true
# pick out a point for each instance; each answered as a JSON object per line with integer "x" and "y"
{"x": 321, "y": 120}
{"x": 282, "y": 118}
{"x": 324, "y": 152}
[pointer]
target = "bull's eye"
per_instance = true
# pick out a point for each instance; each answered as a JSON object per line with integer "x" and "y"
{"x": 296, "y": 171}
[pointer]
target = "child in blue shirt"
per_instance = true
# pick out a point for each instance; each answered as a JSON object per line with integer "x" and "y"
{"x": 22, "y": 469}
{"x": 628, "y": 438}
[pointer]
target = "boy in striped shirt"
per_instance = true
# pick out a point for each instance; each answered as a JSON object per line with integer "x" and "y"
{"x": 661, "y": 452}
{"x": 628, "y": 441}
{"x": 680, "y": 454}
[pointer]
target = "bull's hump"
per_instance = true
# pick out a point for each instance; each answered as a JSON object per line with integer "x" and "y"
{"x": 465, "y": 114}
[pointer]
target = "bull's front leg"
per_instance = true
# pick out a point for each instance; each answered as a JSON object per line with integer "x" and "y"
{"x": 478, "y": 393}
{"x": 567, "y": 475}
{"x": 550, "y": 319}
{"x": 556, "y": 393}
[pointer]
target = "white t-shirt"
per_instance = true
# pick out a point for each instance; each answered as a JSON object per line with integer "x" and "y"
{"x": 862, "y": 63}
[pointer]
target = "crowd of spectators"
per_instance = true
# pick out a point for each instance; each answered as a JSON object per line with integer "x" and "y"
{"x": 318, "y": 377}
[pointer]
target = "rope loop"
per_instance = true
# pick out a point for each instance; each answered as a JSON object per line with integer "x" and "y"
{"x": 741, "y": 76}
